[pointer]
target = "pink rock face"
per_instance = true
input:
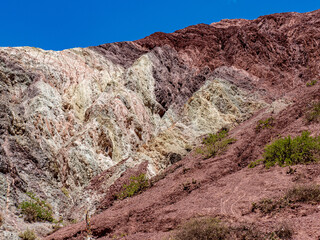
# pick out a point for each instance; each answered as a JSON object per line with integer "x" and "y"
{"x": 273, "y": 48}
{"x": 75, "y": 126}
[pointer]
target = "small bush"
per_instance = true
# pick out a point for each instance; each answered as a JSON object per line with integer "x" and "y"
{"x": 311, "y": 83}
{"x": 314, "y": 114}
{"x": 190, "y": 186}
{"x": 202, "y": 229}
{"x": 255, "y": 163}
{"x": 136, "y": 185}
{"x": 119, "y": 236}
{"x": 55, "y": 228}
{"x": 305, "y": 194}
{"x": 214, "y": 229}
{"x": 247, "y": 232}
{"x": 65, "y": 192}
{"x": 28, "y": 235}
{"x": 267, "y": 205}
{"x": 291, "y": 151}
{"x": 36, "y": 209}
{"x": 298, "y": 194}
{"x": 73, "y": 221}
{"x": 284, "y": 231}
{"x": 215, "y": 144}
{"x": 266, "y": 123}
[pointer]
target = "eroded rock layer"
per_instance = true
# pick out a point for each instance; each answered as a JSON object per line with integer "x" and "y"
{"x": 80, "y": 120}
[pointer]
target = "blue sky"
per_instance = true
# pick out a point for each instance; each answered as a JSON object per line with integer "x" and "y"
{"x": 62, "y": 24}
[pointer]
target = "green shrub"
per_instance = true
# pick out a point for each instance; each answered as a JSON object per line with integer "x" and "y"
{"x": 311, "y": 83}
{"x": 265, "y": 123}
{"x": 65, "y": 192}
{"x": 215, "y": 144}
{"x": 291, "y": 151}
{"x": 255, "y": 163}
{"x": 314, "y": 113}
{"x": 36, "y": 209}
{"x": 136, "y": 185}
{"x": 28, "y": 235}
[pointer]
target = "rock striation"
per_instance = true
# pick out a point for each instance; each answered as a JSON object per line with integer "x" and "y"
{"x": 82, "y": 120}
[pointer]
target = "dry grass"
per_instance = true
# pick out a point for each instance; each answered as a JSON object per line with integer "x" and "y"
{"x": 214, "y": 229}
{"x": 28, "y": 235}
{"x": 202, "y": 229}
{"x": 309, "y": 194}
{"x": 314, "y": 114}
{"x": 305, "y": 194}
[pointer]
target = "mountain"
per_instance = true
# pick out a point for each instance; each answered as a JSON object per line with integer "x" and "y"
{"x": 76, "y": 125}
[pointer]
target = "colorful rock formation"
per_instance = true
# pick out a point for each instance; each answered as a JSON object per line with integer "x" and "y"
{"x": 81, "y": 120}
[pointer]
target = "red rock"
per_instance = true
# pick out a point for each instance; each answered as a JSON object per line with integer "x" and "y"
{"x": 280, "y": 53}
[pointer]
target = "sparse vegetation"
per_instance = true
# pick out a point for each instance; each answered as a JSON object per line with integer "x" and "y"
{"x": 56, "y": 227}
{"x": 214, "y": 229}
{"x": 284, "y": 231}
{"x": 291, "y": 151}
{"x": 65, "y": 192}
{"x": 255, "y": 163}
{"x": 247, "y": 232}
{"x": 267, "y": 205}
{"x": 314, "y": 114}
{"x": 305, "y": 194}
{"x": 265, "y": 123}
{"x": 185, "y": 170}
{"x": 136, "y": 185}
{"x": 291, "y": 170}
{"x": 202, "y": 229}
{"x": 36, "y": 209}
{"x": 28, "y": 235}
{"x": 298, "y": 194}
{"x": 119, "y": 236}
{"x": 311, "y": 83}
{"x": 190, "y": 186}
{"x": 250, "y": 232}
{"x": 73, "y": 221}
{"x": 215, "y": 144}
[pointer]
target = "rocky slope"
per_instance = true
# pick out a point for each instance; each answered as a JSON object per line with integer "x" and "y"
{"x": 76, "y": 124}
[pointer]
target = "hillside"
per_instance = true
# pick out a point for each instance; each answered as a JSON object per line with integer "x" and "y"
{"x": 75, "y": 125}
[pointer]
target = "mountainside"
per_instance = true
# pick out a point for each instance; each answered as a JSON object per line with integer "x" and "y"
{"x": 75, "y": 125}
